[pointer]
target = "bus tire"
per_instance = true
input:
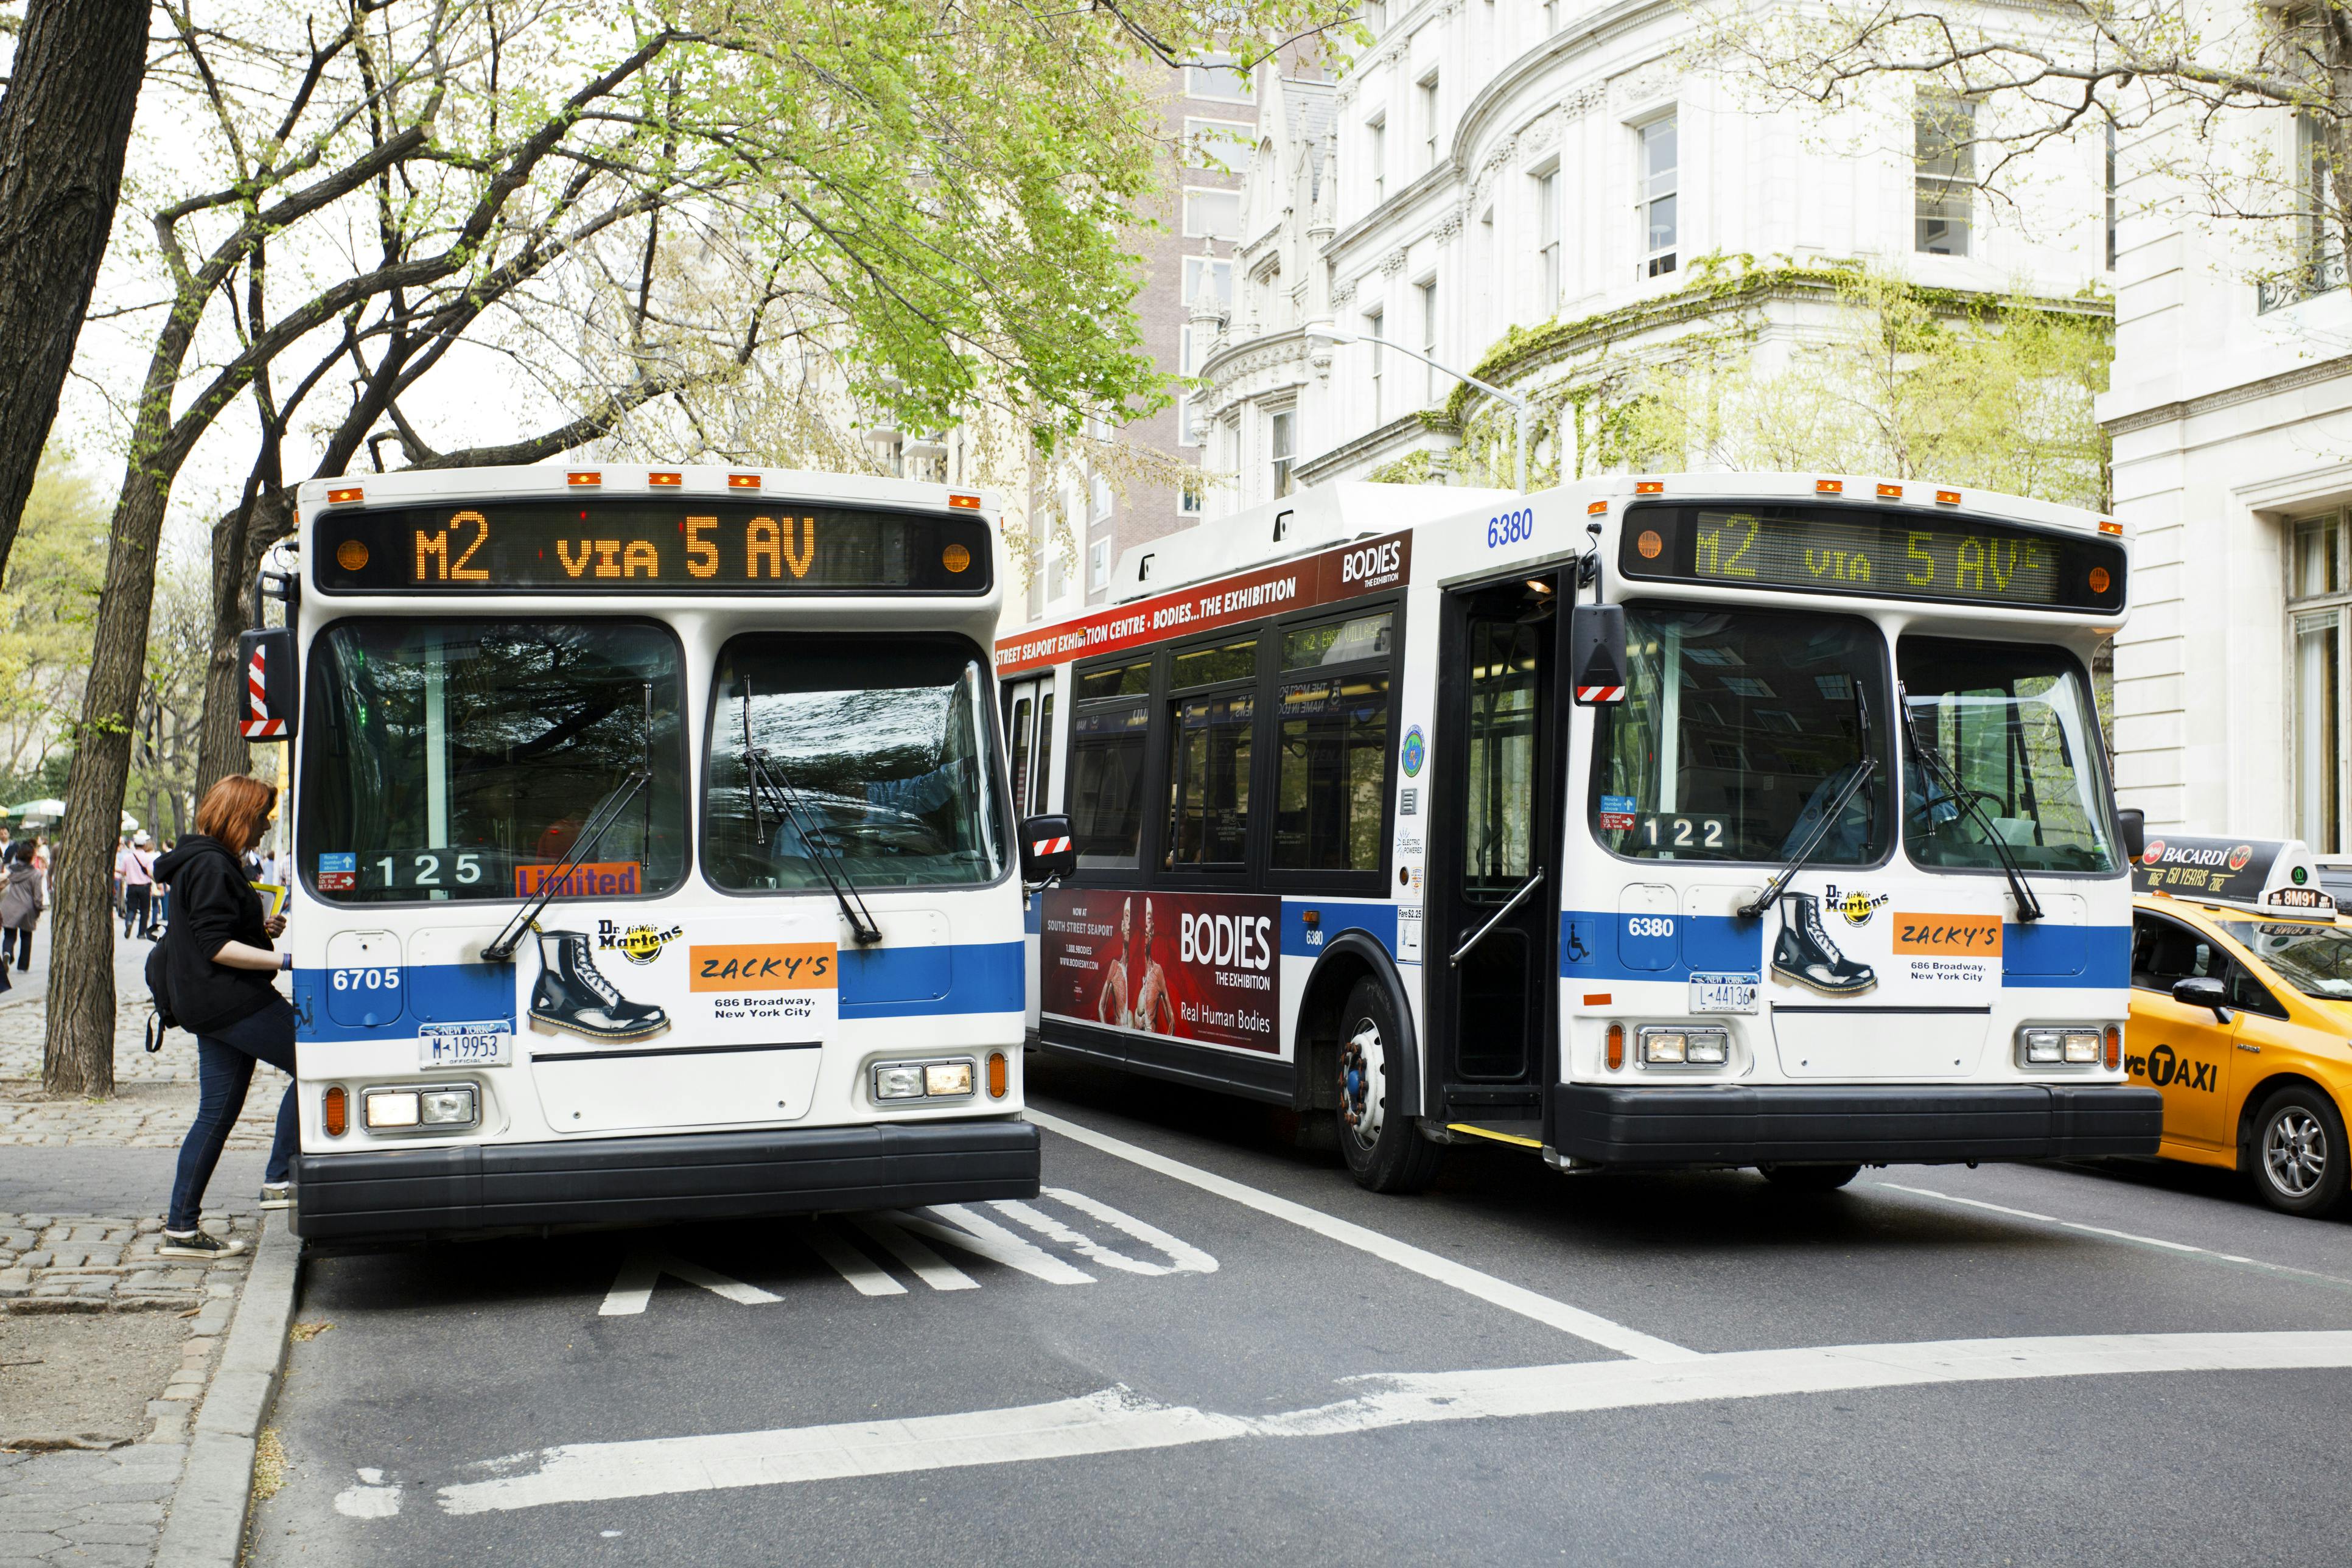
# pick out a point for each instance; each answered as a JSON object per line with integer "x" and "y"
{"x": 1809, "y": 1178}
{"x": 2295, "y": 1151}
{"x": 1384, "y": 1150}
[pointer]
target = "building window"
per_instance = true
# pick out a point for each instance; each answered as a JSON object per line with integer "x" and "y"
{"x": 1189, "y": 429}
{"x": 1944, "y": 146}
{"x": 1098, "y": 565}
{"x": 1212, "y": 214}
{"x": 1188, "y": 497}
{"x": 1101, "y": 498}
{"x": 1654, "y": 214}
{"x": 1548, "y": 242}
{"x": 1279, "y": 447}
{"x": 2316, "y": 587}
{"x": 1376, "y": 324}
{"x": 1376, "y": 133}
{"x": 2111, "y": 195}
{"x": 1433, "y": 381}
{"x": 1222, "y": 146}
{"x": 1429, "y": 126}
{"x": 1220, "y": 276}
{"x": 1217, "y": 79}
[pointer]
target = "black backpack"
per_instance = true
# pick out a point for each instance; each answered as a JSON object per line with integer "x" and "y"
{"x": 159, "y": 992}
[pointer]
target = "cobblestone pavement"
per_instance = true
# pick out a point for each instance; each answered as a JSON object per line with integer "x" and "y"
{"x": 90, "y": 1507}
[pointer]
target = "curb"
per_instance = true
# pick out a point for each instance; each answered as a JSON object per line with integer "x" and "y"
{"x": 207, "y": 1527}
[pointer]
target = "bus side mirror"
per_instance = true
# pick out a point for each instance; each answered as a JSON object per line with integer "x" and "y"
{"x": 2133, "y": 821}
{"x": 267, "y": 658}
{"x": 1596, "y": 653}
{"x": 1047, "y": 853}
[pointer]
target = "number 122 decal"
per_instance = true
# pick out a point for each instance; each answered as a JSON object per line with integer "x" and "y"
{"x": 1656, "y": 830}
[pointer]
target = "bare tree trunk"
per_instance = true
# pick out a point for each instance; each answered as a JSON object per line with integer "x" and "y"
{"x": 64, "y": 124}
{"x": 79, "y": 1054}
{"x": 239, "y": 541}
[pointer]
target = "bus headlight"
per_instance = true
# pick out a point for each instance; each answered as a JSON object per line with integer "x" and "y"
{"x": 447, "y": 1107}
{"x": 2077, "y": 1046}
{"x": 951, "y": 1079}
{"x": 438, "y": 1104}
{"x": 1680, "y": 1047}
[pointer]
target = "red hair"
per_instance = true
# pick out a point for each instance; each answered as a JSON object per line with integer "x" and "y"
{"x": 234, "y": 810}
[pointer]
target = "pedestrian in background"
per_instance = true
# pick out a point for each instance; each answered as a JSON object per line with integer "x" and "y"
{"x": 221, "y": 972}
{"x": 28, "y": 894}
{"x": 41, "y": 850}
{"x": 136, "y": 866}
{"x": 121, "y": 848}
{"x": 164, "y": 890}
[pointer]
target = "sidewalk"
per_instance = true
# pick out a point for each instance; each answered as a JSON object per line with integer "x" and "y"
{"x": 108, "y": 1353}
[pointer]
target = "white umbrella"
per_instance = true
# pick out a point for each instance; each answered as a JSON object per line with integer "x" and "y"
{"x": 39, "y": 808}
{"x": 130, "y": 823}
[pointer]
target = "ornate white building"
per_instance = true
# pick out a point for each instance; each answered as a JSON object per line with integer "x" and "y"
{"x": 1493, "y": 166}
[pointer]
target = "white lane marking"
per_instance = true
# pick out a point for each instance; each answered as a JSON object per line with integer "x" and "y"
{"x": 852, "y": 1265}
{"x": 1115, "y": 1420}
{"x": 1189, "y": 1260}
{"x": 1461, "y": 1277}
{"x": 986, "y": 1238}
{"x": 2136, "y": 1239}
{"x": 632, "y": 1288}
{"x": 929, "y": 1267}
{"x": 370, "y": 1499}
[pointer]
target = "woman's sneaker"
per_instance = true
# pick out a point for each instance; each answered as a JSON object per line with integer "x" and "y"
{"x": 197, "y": 1244}
{"x": 277, "y": 1195}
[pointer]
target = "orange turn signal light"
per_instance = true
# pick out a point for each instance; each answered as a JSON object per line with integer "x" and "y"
{"x": 336, "y": 1111}
{"x": 583, "y": 477}
{"x": 1000, "y": 1074}
{"x": 339, "y": 497}
{"x": 1616, "y": 1047}
{"x": 2115, "y": 1047}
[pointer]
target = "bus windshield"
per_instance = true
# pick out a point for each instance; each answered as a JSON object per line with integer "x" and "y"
{"x": 2013, "y": 723}
{"x": 461, "y": 759}
{"x": 879, "y": 751}
{"x": 2317, "y": 960}
{"x": 1738, "y": 731}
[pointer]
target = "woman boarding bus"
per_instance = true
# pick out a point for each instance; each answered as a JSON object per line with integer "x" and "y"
{"x": 1723, "y": 820}
{"x": 652, "y": 860}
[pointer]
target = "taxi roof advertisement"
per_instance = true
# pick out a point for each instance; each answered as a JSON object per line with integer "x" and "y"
{"x": 2271, "y": 873}
{"x": 1367, "y": 566}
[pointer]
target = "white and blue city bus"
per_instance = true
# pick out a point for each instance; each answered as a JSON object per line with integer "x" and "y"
{"x": 1672, "y": 822}
{"x": 654, "y": 858}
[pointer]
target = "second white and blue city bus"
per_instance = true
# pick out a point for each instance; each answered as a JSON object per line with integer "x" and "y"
{"x": 653, "y": 858}
{"x": 1733, "y": 820}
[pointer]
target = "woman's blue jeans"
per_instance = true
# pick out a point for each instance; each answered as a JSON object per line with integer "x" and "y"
{"x": 225, "y": 1070}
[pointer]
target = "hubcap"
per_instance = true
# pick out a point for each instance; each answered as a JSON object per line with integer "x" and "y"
{"x": 1363, "y": 1083}
{"x": 2295, "y": 1151}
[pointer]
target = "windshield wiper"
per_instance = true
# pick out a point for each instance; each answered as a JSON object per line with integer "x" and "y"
{"x": 787, "y": 804}
{"x": 1865, "y": 771}
{"x": 1931, "y": 761}
{"x": 608, "y": 812}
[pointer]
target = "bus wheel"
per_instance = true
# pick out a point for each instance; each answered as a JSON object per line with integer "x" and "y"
{"x": 1809, "y": 1178}
{"x": 2298, "y": 1160}
{"x": 1383, "y": 1149}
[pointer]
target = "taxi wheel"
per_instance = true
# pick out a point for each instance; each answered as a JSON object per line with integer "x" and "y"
{"x": 1809, "y": 1178}
{"x": 2295, "y": 1152}
{"x": 1384, "y": 1150}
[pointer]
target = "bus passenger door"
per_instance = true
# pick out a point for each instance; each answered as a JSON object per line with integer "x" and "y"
{"x": 1489, "y": 968}
{"x": 1029, "y": 743}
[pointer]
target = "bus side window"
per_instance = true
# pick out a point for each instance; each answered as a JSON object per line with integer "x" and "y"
{"x": 1041, "y": 797}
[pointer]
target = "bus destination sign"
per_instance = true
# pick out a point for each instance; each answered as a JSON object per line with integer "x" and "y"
{"x": 1874, "y": 553}
{"x": 685, "y": 546}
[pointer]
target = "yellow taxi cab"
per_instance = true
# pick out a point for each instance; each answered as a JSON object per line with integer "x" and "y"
{"x": 2241, "y": 1013}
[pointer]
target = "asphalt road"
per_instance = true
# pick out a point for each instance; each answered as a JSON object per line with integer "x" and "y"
{"x": 1203, "y": 1344}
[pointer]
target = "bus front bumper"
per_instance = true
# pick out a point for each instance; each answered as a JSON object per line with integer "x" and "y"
{"x": 1643, "y": 1126}
{"x": 386, "y": 1192}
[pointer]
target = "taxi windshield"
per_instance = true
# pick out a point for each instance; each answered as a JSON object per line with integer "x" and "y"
{"x": 2317, "y": 960}
{"x": 2014, "y": 726}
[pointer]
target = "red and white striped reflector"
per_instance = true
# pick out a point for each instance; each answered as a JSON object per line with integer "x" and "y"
{"x": 1601, "y": 694}
{"x": 1049, "y": 845}
{"x": 260, "y": 726}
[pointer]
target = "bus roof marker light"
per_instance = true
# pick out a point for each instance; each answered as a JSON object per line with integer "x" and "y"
{"x": 1890, "y": 492}
{"x": 1598, "y": 508}
{"x": 583, "y": 477}
{"x": 2108, "y": 526}
{"x": 1829, "y": 487}
{"x": 742, "y": 481}
{"x": 665, "y": 481}
{"x": 1947, "y": 497}
{"x": 1649, "y": 487}
{"x": 963, "y": 503}
{"x": 336, "y": 498}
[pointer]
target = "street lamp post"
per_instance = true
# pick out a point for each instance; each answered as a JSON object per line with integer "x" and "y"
{"x": 1520, "y": 406}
